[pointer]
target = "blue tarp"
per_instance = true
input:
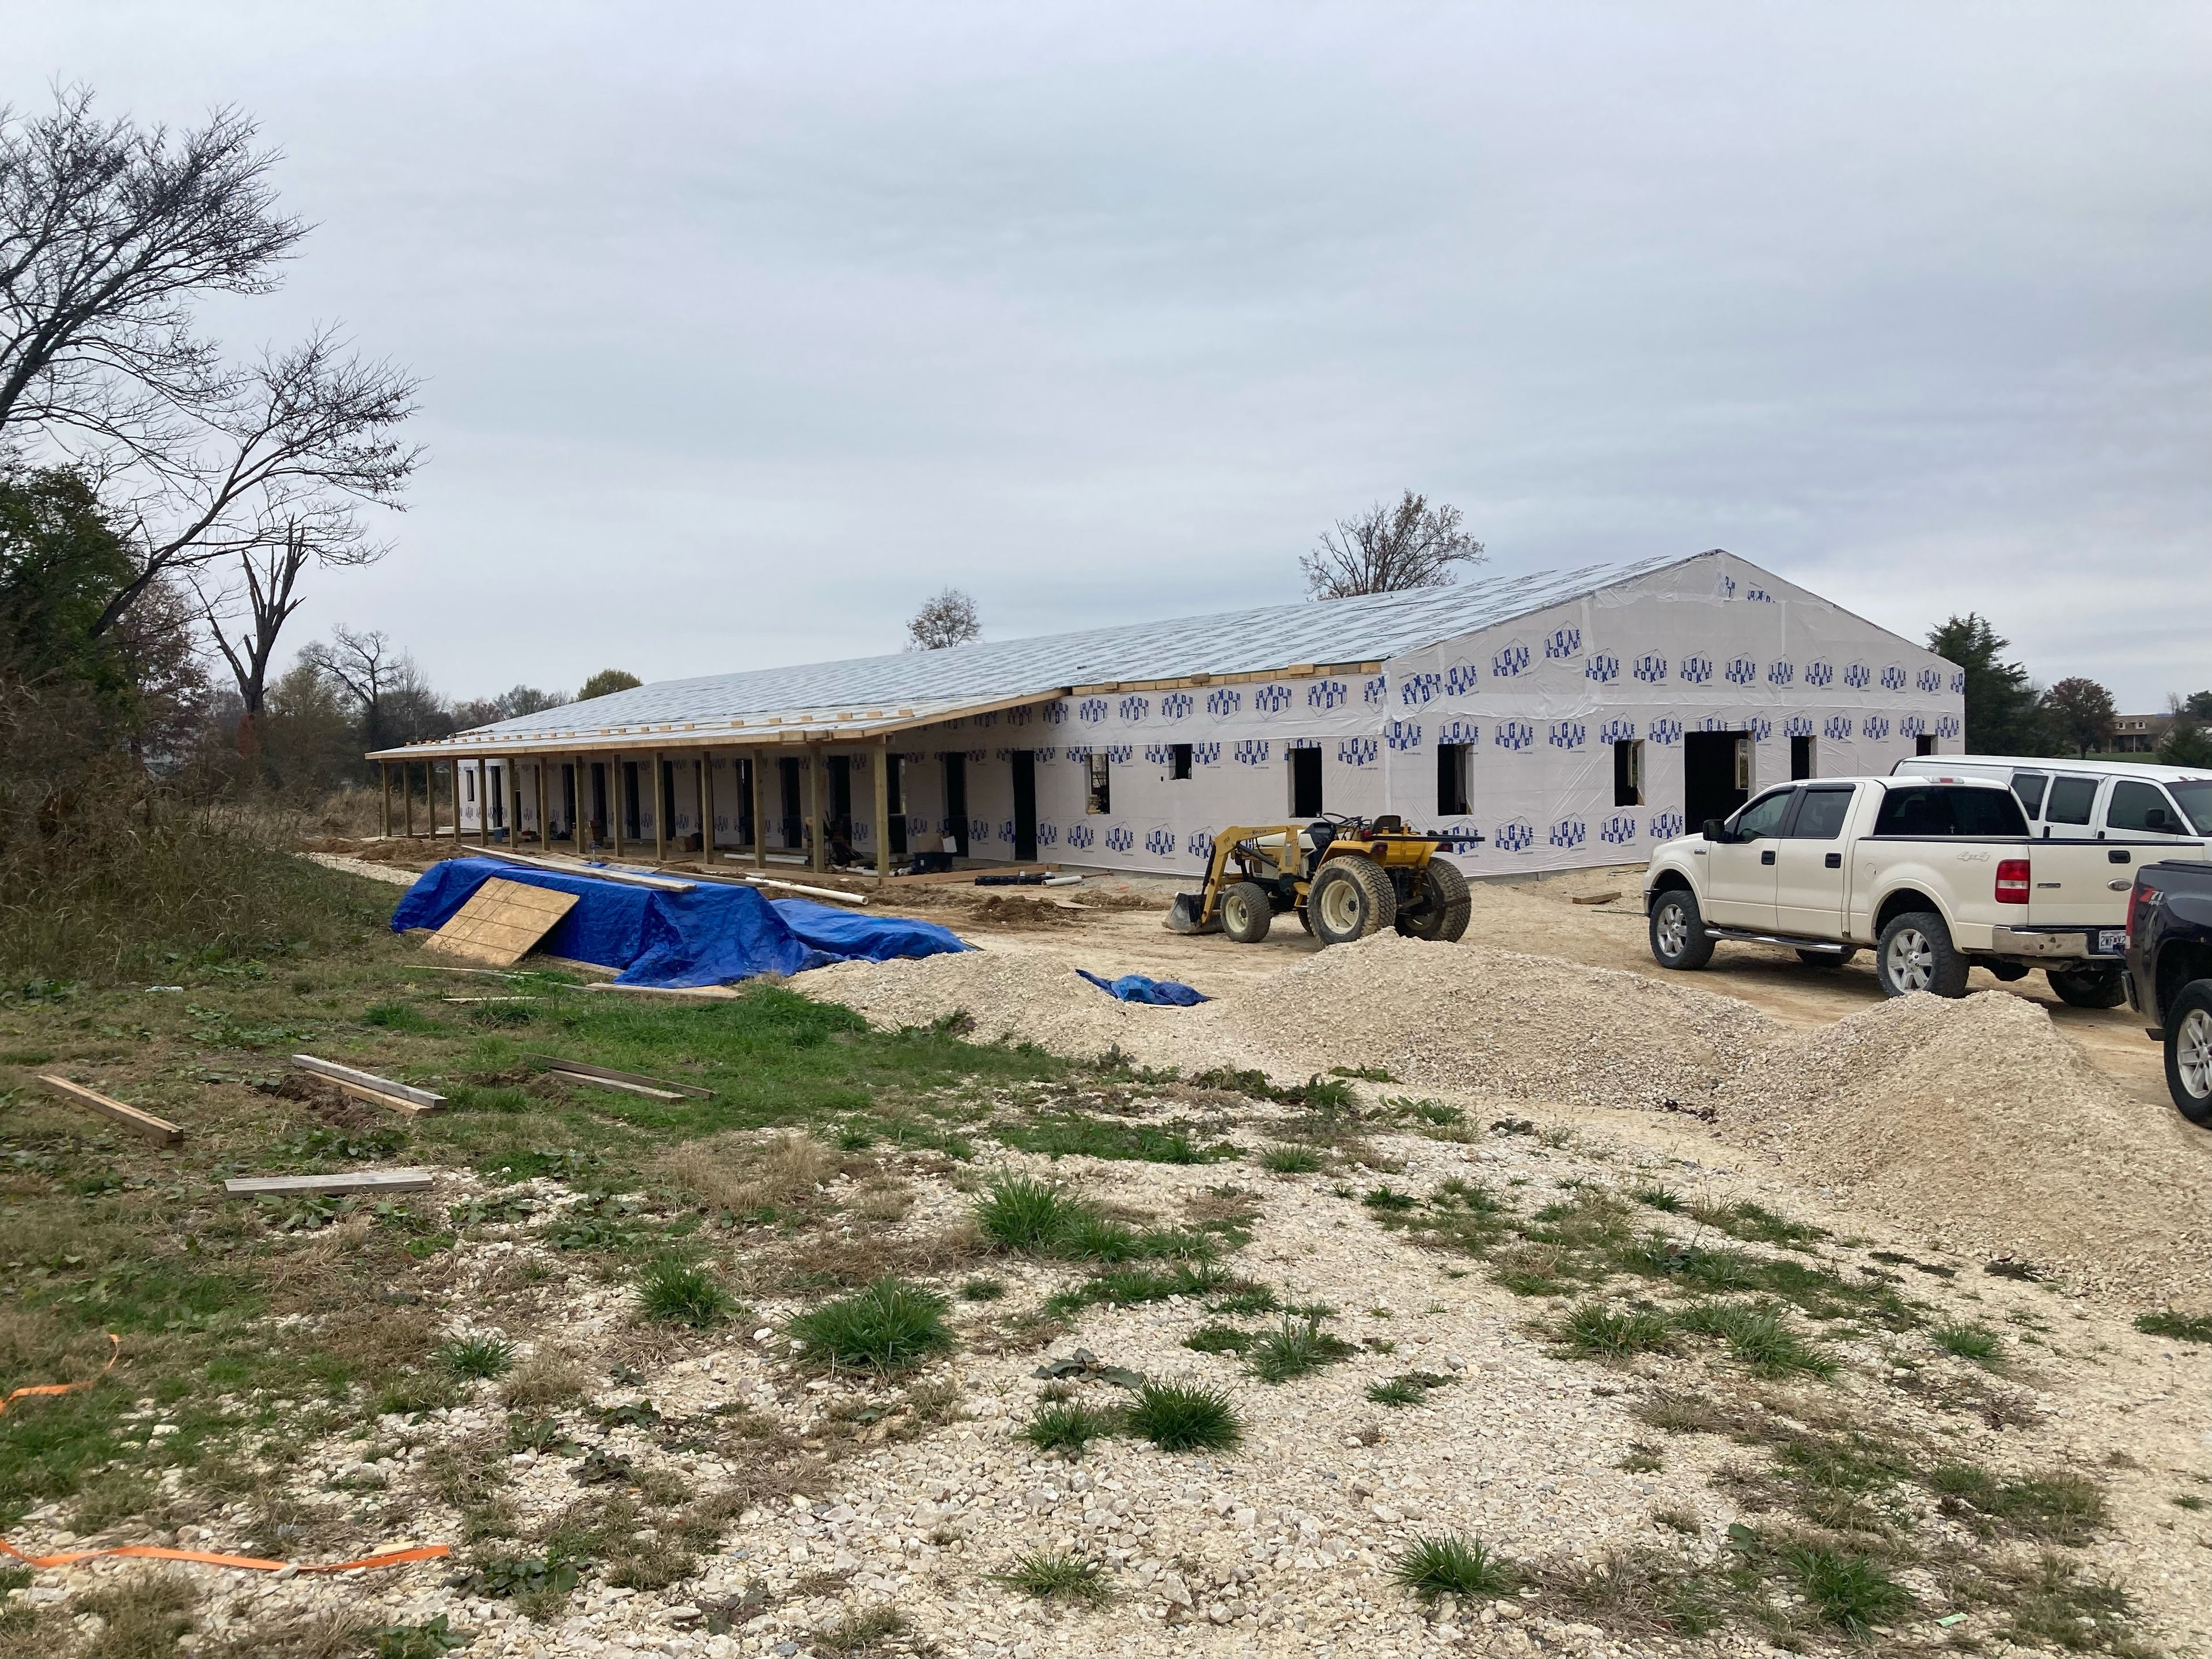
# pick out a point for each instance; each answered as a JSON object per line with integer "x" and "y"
{"x": 1136, "y": 987}
{"x": 711, "y": 935}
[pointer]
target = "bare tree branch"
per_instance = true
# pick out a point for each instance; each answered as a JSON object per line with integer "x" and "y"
{"x": 949, "y": 619}
{"x": 1390, "y": 549}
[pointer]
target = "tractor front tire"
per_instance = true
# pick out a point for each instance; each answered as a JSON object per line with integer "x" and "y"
{"x": 1441, "y": 905}
{"x": 1350, "y": 899}
{"x": 1246, "y": 913}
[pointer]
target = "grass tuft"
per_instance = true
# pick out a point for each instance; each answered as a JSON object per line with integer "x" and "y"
{"x": 1976, "y": 1342}
{"x": 680, "y": 1292}
{"x": 1852, "y": 1592}
{"x": 889, "y": 1326}
{"x": 1449, "y": 1564}
{"x": 1291, "y": 1160}
{"x": 2181, "y": 1326}
{"x": 478, "y": 1357}
{"x": 1057, "y": 1576}
{"x": 1022, "y": 1213}
{"x": 1297, "y": 1348}
{"x": 1597, "y": 1330}
{"x": 1185, "y": 1417}
{"x": 982, "y": 1289}
{"x": 1758, "y": 1337}
{"x": 1067, "y": 1429}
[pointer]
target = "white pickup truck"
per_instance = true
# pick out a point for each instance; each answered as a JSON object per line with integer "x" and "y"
{"x": 1938, "y": 875}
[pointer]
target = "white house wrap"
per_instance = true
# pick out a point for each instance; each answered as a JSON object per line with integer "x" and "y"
{"x": 1567, "y": 719}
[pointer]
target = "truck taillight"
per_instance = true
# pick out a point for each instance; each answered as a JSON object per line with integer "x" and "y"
{"x": 2012, "y": 881}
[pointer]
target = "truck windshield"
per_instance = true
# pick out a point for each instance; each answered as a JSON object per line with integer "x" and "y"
{"x": 1939, "y": 809}
{"x": 2195, "y": 798}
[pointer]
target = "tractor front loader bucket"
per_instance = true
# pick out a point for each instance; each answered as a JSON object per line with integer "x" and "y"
{"x": 1183, "y": 915}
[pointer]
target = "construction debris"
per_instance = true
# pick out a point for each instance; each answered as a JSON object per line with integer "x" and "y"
{"x": 500, "y": 923}
{"x": 377, "y": 1090}
{"x": 159, "y": 1130}
{"x": 363, "y": 1180}
{"x": 584, "y": 1070}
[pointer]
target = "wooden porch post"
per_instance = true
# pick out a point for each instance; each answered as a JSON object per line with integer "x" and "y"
{"x": 760, "y": 818}
{"x": 659, "y": 815}
{"x": 705, "y": 808}
{"x": 817, "y": 858}
{"x": 615, "y": 802}
{"x": 883, "y": 780}
{"x": 384, "y": 794}
{"x": 407, "y": 794}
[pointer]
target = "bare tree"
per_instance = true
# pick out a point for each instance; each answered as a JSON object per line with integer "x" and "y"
{"x": 108, "y": 233}
{"x": 367, "y": 668}
{"x": 949, "y": 619}
{"x": 1390, "y": 549}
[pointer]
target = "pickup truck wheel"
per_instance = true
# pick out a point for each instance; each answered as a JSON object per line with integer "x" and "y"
{"x": 2089, "y": 988}
{"x": 1246, "y": 914}
{"x": 1825, "y": 958}
{"x": 1915, "y": 954}
{"x": 2189, "y": 1051}
{"x": 1678, "y": 931}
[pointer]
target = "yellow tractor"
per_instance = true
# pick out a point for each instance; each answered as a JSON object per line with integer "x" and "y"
{"x": 1345, "y": 879}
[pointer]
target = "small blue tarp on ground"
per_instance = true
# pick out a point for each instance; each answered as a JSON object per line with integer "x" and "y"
{"x": 711, "y": 935}
{"x": 1135, "y": 987}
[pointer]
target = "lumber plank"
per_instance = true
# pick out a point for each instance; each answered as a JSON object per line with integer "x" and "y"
{"x": 159, "y": 1130}
{"x": 500, "y": 923}
{"x": 696, "y": 993}
{"x": 422, "y": 1100}
{"x": 645, "y": 1088}
{"x": 359, "y": 1180}
{"x": 608, "y": 1074}
{"x": 598, "y": 871}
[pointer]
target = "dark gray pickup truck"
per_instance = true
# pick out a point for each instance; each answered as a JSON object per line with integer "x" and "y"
{"x": 2169, "y": 975}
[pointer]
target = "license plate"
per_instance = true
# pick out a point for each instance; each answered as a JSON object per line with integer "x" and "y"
{"x": 2111, "y": 941}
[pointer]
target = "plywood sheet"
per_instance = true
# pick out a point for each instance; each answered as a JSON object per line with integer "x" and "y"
{"x": 500, "y": 922}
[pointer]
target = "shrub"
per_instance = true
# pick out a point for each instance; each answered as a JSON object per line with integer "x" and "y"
{"x": 1185, "y": 1417}
{"x": 1597, "y": 1330}
{"x": 680, "y": 1292}
{"x": 1057, "y": 1575}
{"x": 1291, "y": 1160}
{"x": 477, "y": 1356}
{"x": 888, "y": 1327}
{"x": 1296, "y": 1348}
{"x": 1451, "y": 1565}
{"x": 1021, "y": 1213}
{"x": 1067, "y": 1429}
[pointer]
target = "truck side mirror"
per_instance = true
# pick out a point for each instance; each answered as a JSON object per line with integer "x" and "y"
{"x": 1716, "y": 830}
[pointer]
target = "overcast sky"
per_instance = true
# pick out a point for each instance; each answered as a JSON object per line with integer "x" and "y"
{"x": 744, "y": 329}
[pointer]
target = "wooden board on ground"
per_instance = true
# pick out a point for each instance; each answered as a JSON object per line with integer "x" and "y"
{"x": 500, "y": 922}
{"x": 695, "y": 993}
{"x": 608, "y": 1074}
{"x": 621, "y": 873}
{"x": 360, "y": 1181}
{"x": 367, "y": 1085}
{"x": 158, "y": 1130}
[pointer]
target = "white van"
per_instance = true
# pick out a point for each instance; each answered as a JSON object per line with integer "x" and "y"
{"x": 2093, "y": 800}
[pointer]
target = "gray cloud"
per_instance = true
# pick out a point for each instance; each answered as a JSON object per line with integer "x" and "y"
{"x": 746, "y": 329}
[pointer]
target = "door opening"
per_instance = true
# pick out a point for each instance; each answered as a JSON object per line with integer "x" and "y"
{"x": 794, "y": 811}
{"x": 956, "y": 801}
{"x": 1024, "y": 805}
{"x": 1305, "y": 783}
{"x": 1800, "y": 759}
{"x": 895, "y": 805}
{"x": 1715, "y": 775}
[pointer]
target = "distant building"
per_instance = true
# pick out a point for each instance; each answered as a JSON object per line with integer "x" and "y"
{"x": 2140, "y": 734}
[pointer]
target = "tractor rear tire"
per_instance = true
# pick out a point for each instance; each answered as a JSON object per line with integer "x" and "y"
{"x": 1246, "y": 913}
{"x": 1441, "y": 905}
{"x": 1350, "y": 899}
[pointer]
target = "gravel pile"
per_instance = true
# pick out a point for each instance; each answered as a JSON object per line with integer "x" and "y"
{"x": 1505, "y": 1024}
{"x": 1979, "y": 1119}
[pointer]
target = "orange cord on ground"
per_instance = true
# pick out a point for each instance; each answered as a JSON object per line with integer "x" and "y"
{"x": 154, "y": 1552}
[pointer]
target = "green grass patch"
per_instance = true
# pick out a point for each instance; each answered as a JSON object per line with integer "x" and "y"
{"x": 1067, "y": 1133}
{"x": 1220, "y": 1339}
{"x": 1020, "y": 1212}
{"x": 1755, "y": 1223}
{"x": 982, "y": 1289}
{"x": 1128, "y": 1286}
{"x": 1179, "y": 1417}
{"x": 1296, "y": 1348}
{"x": 888, "y": 1327}
{"x": 1057, "y": 1576}
{"x": 2062, "y": 1508}
{"x": 1851, "y": 1592}
{"x": 2182, "y": 1327}
{"x": 1067, "y": 1428}
{"x": 1292, "y": 1160}
{"x": 477, "y": 1358}
{"x": 1451, "y": 1564}
{"x": 1603, "y": 1333}
{"x": 1758, "y": 1337}
{"x": 679, "y": 1292}
{"x": 1976, "y": 1343}
{"x": 1386, "y": 1197}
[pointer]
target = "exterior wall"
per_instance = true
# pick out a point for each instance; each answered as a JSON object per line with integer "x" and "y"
{"x": 1714, "y": 644}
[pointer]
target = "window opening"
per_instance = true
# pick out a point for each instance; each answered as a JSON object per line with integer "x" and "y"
{"x": 1452, "y": 780}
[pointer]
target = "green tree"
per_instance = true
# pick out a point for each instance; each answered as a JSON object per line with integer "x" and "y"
{"x": 606, "y": 680}
{"x": 2080, "y": 711}
{"x": 2002, "y": 717}
{"x": 2187, "y": 743}
{"x": 60, "y": 560}
{"x": 2198, "y": 705}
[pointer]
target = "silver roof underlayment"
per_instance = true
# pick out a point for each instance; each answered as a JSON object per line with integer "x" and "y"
{"x": 867, "y": 695}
